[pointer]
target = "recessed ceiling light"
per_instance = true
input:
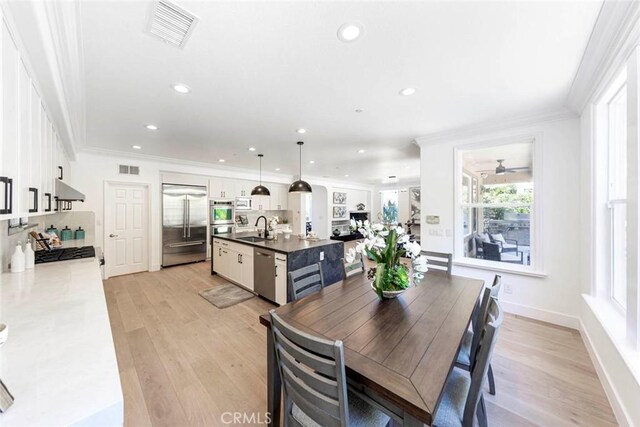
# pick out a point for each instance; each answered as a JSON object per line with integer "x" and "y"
{"x": 361, "y": 151}
{"x": 301, "y": 130}
{"x": 221, "y": 160}
{"x": 407, "y": 91}
{"x": 151, "y": 127}
{"x": 312, "y": 162}
{"x": 252, "y": 148}
{"x": 349, "y": 32}
{"x": 136, "y": 147}
{"x": 181, "y": 88}
{"x": 277, "y": 169}
{"x": 346, "y": 175}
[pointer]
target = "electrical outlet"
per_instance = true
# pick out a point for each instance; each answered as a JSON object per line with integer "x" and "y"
{"x": 508, "y": 289}
{"x": 322, "y": 256}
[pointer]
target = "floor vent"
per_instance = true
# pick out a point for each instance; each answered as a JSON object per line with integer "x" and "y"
{"x": 128, "y": 170}
{"x": 171, "y": 23}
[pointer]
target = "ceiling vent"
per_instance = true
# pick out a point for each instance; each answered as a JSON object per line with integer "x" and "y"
{"x": 171, "y": 23}
{"x": 128, "y": 170}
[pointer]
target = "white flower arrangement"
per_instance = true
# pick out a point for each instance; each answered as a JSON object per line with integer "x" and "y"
{"x": 386, "y": 245}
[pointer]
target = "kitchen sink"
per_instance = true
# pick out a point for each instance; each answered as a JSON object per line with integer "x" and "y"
{"x": 252, "y": 239}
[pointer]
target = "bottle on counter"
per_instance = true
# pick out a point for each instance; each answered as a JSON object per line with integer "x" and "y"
{"x": 17, "y": 259}
{"x": 66, "y": 233}
{"x": 29, "y": 256}
{"x": 79, "y": 235}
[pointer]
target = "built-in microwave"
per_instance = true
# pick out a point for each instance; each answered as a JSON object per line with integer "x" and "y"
{"x": 243, "y": 203}
{"x": 222, "y": 212}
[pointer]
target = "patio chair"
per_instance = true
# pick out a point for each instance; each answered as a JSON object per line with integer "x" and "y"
{"x": 506, "y": 245}
{"x": 492, "y": 252}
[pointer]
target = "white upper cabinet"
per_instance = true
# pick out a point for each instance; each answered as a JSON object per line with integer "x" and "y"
{"x": 10, "y": 145}
{"x": 30, "y": 151}
{"x": 222, "y": 188}
{"x": 279, "y": 197}
{"x": 244, "y": 187}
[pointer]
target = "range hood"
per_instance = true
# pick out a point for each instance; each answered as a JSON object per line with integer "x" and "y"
{"x": 66, "y": 193}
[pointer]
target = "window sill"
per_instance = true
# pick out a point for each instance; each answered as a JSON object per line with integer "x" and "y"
{"x": 501, "y": 267}
{"x": 614, "y": 324}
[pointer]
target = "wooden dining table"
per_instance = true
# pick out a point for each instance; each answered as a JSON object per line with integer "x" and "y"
{"x": 398, "y": 352}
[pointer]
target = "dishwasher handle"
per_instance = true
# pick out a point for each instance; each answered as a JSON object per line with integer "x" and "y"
{"x": 263, "y": 254}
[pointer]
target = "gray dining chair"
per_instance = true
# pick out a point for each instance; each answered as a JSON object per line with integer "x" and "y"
{"x": 463, "y": 397}
{"x": 472, "y": 338}
{"x": 306, "y": 280}
{"x": 353, "y": 268}
{"x": 438, "y": 260}
{"x": 314, "y": 381}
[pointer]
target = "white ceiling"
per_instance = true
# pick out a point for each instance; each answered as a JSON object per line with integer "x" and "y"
{"x": 260, "y": 70}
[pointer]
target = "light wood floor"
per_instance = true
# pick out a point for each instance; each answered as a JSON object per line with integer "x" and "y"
{"x": 184, "y": 362}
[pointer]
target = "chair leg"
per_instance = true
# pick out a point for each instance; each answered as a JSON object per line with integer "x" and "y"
{"x": 481, "y": 413}
{"x": 492, "y": 383}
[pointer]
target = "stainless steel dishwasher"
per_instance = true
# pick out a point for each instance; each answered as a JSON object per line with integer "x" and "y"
{"x": 264, "y": 273}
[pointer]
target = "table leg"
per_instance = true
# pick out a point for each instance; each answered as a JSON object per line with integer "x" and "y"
{"x": 274, "y": 384}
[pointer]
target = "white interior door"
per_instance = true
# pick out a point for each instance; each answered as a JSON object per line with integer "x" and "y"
{"x": 126, "y": 229}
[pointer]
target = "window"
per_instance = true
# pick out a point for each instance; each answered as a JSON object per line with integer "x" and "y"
{"x": 389, "y": 199}
{"x": 495, "y": 205}
{"x": 617, "y": 193}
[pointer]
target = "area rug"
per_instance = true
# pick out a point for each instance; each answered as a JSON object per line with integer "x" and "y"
{"x": 225, "y": 295}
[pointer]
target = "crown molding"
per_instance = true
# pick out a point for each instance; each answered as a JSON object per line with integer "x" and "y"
{"x": 614, "y": 37}
{"x": 494, "y": 126}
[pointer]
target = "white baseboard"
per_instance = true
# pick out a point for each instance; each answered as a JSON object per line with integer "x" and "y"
{"x": 155, "y": 267}
{"x": 614, "y": 399}
{"x": 554, "y": 317}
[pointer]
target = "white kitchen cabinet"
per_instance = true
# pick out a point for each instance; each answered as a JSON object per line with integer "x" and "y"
{"x": 244, "y": 187}
{"x": 234, "y": 261}
{"x": 30, "y": 152}
{"x": 279, "y": 197}
{"x": 261, "y": 203}
{"x": 26, "y": 198}
{"x": 10, "y": 160}
{"x": 246, "y": 270}
{"x": 36, "y": 176}
{"x": 222, "y": 188}
{"x": 281, "y": 279}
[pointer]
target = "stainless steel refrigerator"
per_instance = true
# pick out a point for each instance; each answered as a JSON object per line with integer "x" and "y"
{"x": 184, "y": 224}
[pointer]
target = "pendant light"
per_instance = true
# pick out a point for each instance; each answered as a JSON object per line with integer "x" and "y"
{"x": 300, "y": 186}
{"x": 260, "y": 190}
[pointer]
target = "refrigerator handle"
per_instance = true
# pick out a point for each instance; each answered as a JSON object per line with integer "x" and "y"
{"x": 184, "y": 218}
{"x": 188, "y": 218}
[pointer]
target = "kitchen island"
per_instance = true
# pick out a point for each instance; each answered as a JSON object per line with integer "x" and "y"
{"x": 245, "y": 260}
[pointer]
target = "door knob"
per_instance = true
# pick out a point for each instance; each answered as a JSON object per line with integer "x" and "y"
{"x": 113, "y": 235}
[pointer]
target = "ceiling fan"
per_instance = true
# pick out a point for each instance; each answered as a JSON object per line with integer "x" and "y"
{"x": 502, "y": 169}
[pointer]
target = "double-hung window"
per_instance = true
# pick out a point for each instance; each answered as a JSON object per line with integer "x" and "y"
{"x": 616, "y": 110}
{"x": 495, "y": 206}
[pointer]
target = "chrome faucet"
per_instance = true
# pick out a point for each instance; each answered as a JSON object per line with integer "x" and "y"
{"x": 266, "y": 231}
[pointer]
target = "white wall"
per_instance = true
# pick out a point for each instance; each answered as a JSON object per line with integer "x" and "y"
{"x": 319, "y": 210}
{"x": 554, "y": 297}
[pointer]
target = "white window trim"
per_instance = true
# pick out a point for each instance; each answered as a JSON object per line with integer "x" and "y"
{"x": 536, "y": 268}
{"x": 601, "y": 272}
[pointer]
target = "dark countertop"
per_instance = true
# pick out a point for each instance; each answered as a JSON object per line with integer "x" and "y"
{"x": 282, "y": 245}
{"x": 348, "y": 237}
